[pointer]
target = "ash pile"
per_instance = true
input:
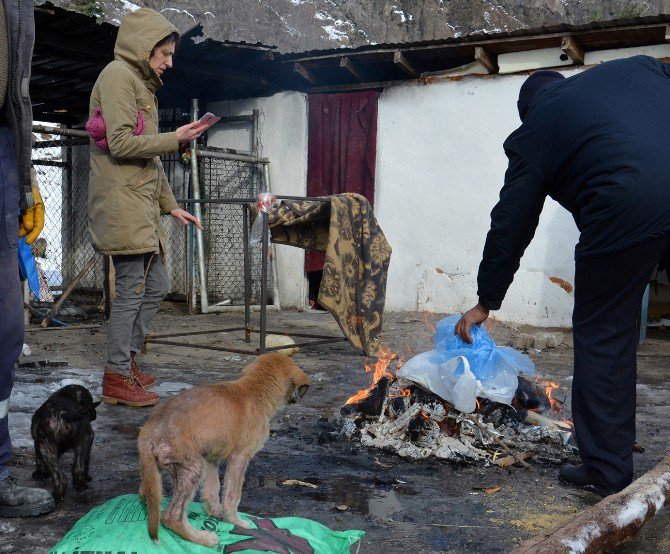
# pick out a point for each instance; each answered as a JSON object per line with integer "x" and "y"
{"x": 463, "y": 403}
{"x": 403, "y": 418}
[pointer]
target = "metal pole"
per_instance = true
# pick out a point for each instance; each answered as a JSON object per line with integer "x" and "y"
{"x": 59, "y": 131}
{"x": 195, "y": 182}
{"x": 275, "y": 280}
{"x": 255, "y": 134}
{"x": 69, "y": 220}
{"x": 190, "y": 257}
{"x": 203, "y": 153}
{"x": 264, "y": 279}
{"x": 247, "y": 273}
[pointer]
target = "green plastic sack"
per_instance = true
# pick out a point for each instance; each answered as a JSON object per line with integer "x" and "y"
{"x": 119, "y": 526}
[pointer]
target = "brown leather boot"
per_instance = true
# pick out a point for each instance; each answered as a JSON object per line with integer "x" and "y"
{"x": 121, "y": 389}
{"x": 144, "y": 378}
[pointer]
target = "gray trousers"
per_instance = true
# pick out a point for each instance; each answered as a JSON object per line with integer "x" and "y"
{"x": 141, "y": 283}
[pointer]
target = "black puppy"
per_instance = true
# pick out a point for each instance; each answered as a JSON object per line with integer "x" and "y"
{"x": 63, "y": 423}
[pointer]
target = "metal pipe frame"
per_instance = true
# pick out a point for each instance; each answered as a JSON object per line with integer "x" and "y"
{"x": 197, "y": 209}
{"x": 263, "y": 331}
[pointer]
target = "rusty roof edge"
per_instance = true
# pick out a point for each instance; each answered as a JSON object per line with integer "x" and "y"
{"x": 486, "y": 38}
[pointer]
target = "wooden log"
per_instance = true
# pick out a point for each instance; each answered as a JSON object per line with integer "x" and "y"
{"x": 533, "y": 418}
{"x": 609, "y": 522}
{"x": 511, "y": 460}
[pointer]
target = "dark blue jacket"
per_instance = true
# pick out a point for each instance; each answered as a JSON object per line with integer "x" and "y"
{"x": 599, "y": 144}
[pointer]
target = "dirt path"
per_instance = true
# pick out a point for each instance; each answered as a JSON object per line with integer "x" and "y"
{"x": 402, "y": 506}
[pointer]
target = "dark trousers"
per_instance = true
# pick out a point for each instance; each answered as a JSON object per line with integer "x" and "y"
{"x": 608, "y": 296}
{"x": 11, "y": 296}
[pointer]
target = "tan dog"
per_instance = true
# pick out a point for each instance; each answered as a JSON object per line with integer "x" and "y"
{"x": 190, "y": 434}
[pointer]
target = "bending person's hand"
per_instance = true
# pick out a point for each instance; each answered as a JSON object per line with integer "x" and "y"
{"x": 189, "y": 132}
{"x": 474, "y": 316}
{"x": 185, "y": 217}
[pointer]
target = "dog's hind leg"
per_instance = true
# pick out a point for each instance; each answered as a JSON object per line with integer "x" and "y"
{"x": 49, "y": 456}
{"x": 186, "y": 480}
{"x": 210, "y": 491}
{"x": 236, "y": 468}
{"x": 82, "y": 455}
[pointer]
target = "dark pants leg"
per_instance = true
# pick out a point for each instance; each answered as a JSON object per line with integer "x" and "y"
{"x": 11, "y": 297}
{"x": 608, "y": 295}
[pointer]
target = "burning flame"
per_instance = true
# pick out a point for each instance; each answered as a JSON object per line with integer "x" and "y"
{"x": 405, "y": 392}
{"x": 550, "y": 387}
{"x": 383, "y": 360}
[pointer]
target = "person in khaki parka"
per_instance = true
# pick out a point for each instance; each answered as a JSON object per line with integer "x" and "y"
{"x": 129, "y": 191}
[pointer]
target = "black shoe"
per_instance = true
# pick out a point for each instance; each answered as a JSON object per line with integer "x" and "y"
{"x": 16, "y": 501}
{"x": 578, "y": 476}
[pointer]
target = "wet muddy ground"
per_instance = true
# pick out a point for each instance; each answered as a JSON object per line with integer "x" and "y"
{"x": 403, "y": 506}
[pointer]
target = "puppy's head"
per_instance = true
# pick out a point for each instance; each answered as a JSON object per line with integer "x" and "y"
{"x": 85, "y": 405}
{"x": 295, "y": 379}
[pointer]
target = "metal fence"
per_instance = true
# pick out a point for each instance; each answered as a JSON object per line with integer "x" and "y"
{"x": 222, "y": 179}
{"x": 65, "y": 256}
{"x": 60, "y": 158}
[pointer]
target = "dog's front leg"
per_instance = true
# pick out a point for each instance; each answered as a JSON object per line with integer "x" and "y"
{"x": 209, "y": 491}
{"x": 82, "y": 454}
{"x": 232, "y": 485}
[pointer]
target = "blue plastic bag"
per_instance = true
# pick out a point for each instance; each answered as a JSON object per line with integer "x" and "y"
{"x": 28, "y": 268}
{"x": 486, "y": 359}
{"x": 459, "y": 372}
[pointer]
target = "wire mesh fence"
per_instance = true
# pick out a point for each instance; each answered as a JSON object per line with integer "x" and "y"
{"x": 60, "y": 158}
{"x": 223, "y": 241}
{"x": 64, "y": 250}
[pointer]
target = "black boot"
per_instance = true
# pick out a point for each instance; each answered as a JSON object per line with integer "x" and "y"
{"x": 578, "y": 476}
{"x": 16, "y": 501}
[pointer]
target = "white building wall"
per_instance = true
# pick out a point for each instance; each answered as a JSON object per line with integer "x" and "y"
{"x": 440, "y": 167}
{"x": 283, "y": 137}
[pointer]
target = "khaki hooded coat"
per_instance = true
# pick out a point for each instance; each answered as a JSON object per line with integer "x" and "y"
{"x": 128, "y": 189}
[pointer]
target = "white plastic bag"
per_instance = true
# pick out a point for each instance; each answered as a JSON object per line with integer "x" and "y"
{"x": 452, "y": 380}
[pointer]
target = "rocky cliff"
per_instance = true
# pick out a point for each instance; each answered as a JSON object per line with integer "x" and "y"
{"x": 299, "y": 25}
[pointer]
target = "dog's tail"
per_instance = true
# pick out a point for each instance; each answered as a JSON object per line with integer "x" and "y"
{"x": 151, "y": 489}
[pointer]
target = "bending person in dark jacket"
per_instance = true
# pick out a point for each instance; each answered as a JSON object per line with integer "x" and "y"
{"x": 597, "y": 143}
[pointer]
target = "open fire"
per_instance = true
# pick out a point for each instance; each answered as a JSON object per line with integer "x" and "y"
{"x": 402, "y": 417}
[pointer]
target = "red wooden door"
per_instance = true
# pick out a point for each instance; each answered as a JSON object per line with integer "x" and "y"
{"x": 342, "y": 148}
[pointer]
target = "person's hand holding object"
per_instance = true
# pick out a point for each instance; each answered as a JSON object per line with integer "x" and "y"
{"x": 474, "y": 316}
{"x": 190, "y": 131}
